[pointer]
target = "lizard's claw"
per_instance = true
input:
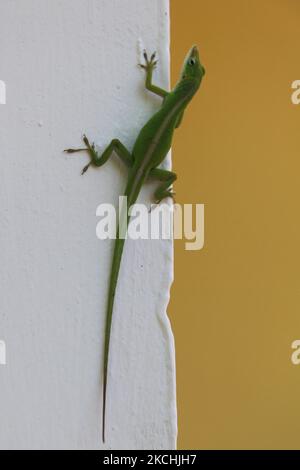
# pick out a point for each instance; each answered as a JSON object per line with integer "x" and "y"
{"x": 73, "y": 150}
{"x": 88, "y": 144}
{"x": 150, "y": 64}
{"x": 86, "y": 140}
{"x": 90, "y": 148}
{"x": 164, "y": 195}
{"x": 85, "y": 168}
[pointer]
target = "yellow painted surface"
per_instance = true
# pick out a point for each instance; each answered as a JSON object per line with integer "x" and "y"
{"x": 235, "y": 305}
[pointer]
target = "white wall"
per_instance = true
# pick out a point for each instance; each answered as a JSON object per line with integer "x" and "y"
{"x": 70, "y": 67}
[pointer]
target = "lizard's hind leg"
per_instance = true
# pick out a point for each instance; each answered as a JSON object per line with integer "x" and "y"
{"x": 168, "y": 178}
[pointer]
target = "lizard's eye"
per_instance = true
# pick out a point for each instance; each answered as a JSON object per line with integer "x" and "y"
{"x": 192, "y": 61}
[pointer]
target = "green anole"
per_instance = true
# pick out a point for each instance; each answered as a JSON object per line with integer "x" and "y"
{"x": 150, "y": 149}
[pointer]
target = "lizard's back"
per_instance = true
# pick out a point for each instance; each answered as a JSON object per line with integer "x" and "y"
{"x": 155, "y": 138}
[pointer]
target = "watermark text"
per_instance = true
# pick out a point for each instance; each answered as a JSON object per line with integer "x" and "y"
{"x": 162, "y": 222}
{"x": 2, "y": 92}
{"x": 2, "y": 353}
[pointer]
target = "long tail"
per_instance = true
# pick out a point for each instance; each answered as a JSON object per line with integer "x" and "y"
{"x": 118, "y": 250}
{"x": 134, "y": 185}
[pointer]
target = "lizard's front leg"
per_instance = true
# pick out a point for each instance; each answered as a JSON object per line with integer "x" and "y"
{"x": 149, "y": 66}
{"x": 168, "y": 178}
{"x": 99, "y": 159}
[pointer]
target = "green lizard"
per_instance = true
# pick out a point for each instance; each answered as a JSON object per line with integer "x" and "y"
{"x": 149, "y": 150}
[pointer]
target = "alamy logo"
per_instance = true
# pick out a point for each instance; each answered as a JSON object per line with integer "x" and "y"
{"x": 162, "y": 222}
{"x": 2, "y": 92}
{"x": 2, "y": 353}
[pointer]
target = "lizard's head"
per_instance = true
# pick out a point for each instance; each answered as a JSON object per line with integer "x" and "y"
{"x": 192, "y": 68}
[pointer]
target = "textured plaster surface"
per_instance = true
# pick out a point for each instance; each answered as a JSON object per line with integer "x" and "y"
{"x": 70, "y": 66}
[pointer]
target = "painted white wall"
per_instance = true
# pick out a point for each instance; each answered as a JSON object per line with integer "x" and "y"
{"x": 70, "y": 67}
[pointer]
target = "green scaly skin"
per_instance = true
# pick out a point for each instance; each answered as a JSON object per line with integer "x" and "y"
{"x": 151, "y": 147}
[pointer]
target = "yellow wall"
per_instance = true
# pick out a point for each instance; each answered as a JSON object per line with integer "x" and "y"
{"x": 235, "y": 305}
